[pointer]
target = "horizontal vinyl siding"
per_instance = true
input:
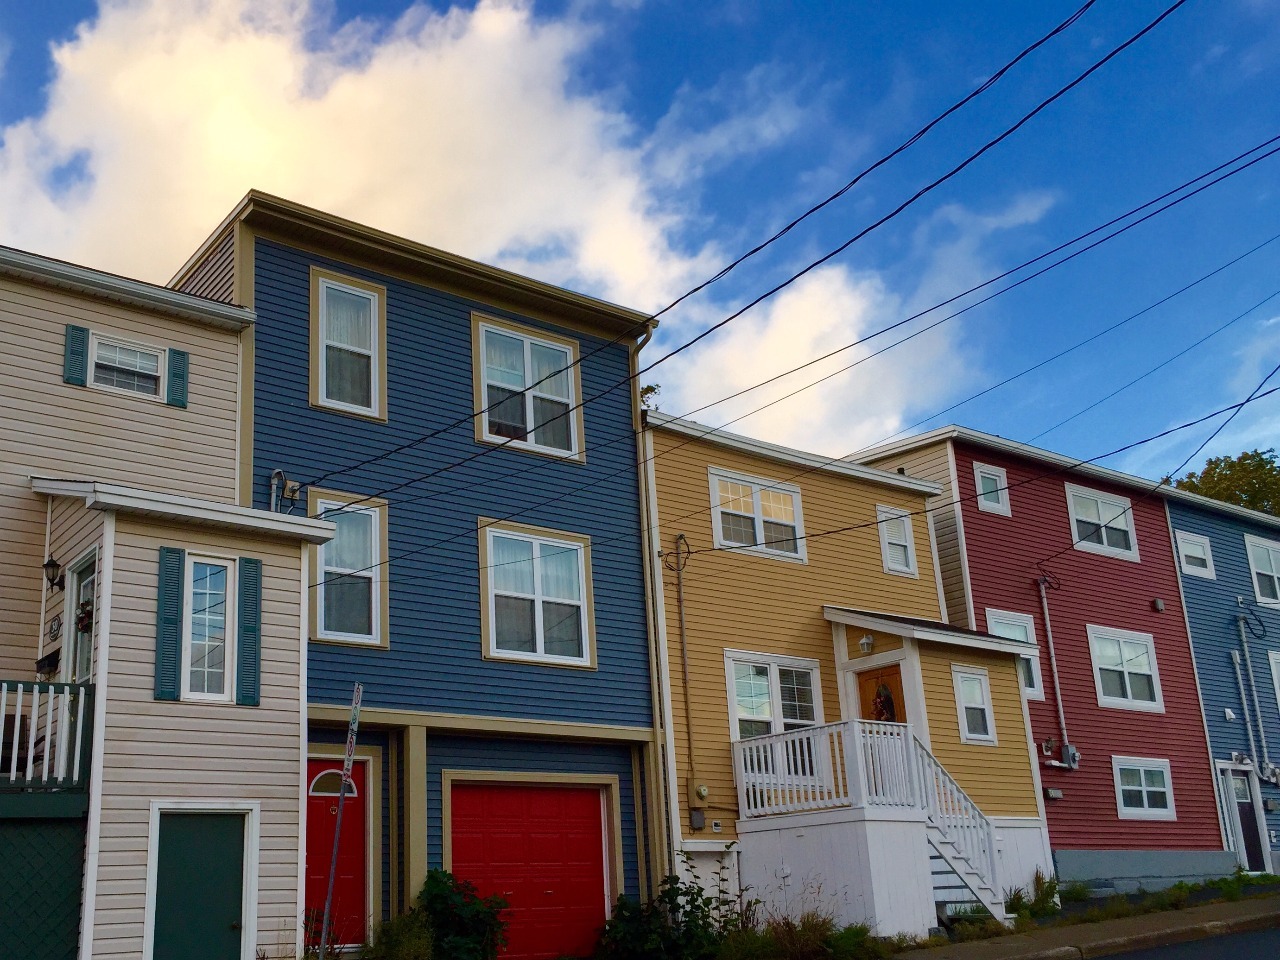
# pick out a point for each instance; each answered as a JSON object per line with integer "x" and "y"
{"x": 997, "y": 778}
{"x": 1102, "y": 591}
{"x": 1212, "y": 610}
{"x": 742, "y": 601}
{"x": 54, "y": 429}
{"x": 214, "y": 276}
{"x": 532, "y": 756}
{"x": 434, "y": 662}
{"x": 166, "y": 750}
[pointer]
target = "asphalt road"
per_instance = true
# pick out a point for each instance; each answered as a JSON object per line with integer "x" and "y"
{"x": 1263, "y": 945}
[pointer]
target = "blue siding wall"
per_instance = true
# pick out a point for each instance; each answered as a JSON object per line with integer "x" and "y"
{"x": 434, "y": 662}
{"x": 1212, "y": 611}
{"x": 473, "y": 753}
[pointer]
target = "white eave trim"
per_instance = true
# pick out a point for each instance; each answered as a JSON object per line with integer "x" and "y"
{"x": 133, "y": 293}
{"x": 788, "y": 455}
{"x": 164, "y": 506}
{"x": 940, "y": 633}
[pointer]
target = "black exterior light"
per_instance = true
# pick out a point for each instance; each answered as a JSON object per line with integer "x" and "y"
{"x": 53, "y": 574}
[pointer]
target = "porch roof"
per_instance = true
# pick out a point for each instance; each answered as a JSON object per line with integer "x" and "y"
{"x": 918, "y": 628}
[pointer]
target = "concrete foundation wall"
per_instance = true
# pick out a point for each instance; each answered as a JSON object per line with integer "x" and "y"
{"x": 1127, "y": 871}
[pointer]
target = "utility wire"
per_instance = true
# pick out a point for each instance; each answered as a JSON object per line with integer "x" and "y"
{"x": 989, "y": 145}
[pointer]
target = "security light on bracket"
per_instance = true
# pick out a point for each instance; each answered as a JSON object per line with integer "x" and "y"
{"x": 53, "y": 574}
{"x": 866, "y": 643}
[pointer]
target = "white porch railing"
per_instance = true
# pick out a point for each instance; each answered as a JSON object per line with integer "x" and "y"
{"x": 860, "y": 763}
{"x": 43, "y": 735}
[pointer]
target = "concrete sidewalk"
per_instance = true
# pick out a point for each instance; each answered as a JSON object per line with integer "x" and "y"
{"x": 1117, "y": 936}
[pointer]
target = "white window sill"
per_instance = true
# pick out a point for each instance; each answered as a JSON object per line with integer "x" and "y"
{"x": 1166, "y": 815}
{"x": 1135, "y": 706}
{"x": 757, "y": 551}
{"x": 1103, "y": 551}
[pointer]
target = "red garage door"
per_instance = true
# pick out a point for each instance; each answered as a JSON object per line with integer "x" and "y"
{"x": 541, "y": 848}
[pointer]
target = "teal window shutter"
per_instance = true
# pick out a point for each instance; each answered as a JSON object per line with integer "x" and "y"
{"x": 169, "y": 600}
{"x": 75, "y": 356}
{"x": 249, "y": 641}
{"x": 177, "y": 392}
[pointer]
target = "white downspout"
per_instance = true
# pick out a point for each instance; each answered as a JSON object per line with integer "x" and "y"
{"x": 1253, "y": 690}
{"x": 1244, "y": 702}
{"x": 1053, "y": 663}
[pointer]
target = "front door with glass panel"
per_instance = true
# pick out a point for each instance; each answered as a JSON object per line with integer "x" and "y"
{"x": 1238, "y": 790}
{"x": 880, "y": 695}
{"x": 78, "y": 657}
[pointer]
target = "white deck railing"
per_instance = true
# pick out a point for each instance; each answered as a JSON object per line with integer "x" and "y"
{"x": 43, "y": 729}
{"x": 859, "y": 763}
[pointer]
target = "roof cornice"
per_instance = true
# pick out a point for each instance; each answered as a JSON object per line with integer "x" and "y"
{"x": 49, "y": 272}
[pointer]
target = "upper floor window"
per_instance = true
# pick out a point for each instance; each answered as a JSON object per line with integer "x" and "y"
{"x": 758, "y": 516}
{"x": 1195, "y": 555}
{"x": 1144, "y": 788}
{"x": 1102, "y": 523}
{"x": 1124, "y": 667}
{"x": 973, "y": 704}
{"x": 1020, "y": 627}
{"x": 897, "y": 545}
{"x": 348, "y": 353}
{"x": 130, "y": 367}
{"x": 772, "y": 694}
{"x": 537, "y": 595}
{"x": 530, "y": 391}
{"x": 992, "y": 484}
{"x": 208, "y": 633}
{"x": 351, "y": 587}
{"x": 1264, "y": 563}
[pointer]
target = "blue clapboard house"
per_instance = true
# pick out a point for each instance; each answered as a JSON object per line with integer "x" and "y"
{"x": 1229, "y": 568}
{"x": 486, "y": 583}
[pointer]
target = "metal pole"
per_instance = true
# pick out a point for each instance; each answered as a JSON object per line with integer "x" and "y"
{"x": 333, "y": 870}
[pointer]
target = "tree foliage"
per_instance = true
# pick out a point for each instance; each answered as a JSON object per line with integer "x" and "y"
{"x": 1250, "y": 480}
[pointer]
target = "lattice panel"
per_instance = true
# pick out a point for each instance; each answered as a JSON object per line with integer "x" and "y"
{"x": 41, "y": 870}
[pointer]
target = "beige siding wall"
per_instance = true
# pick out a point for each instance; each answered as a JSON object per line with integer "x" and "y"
{"x": 166, "y": 750}
{"x": 736, "y": 600}
{"x": 55, "y": 429}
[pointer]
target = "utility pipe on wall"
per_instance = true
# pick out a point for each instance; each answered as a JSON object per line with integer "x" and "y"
{"x": 682, "y": 558}
{"x": 1253, "y": 690}
{"x": 1244, "y": 703}
{"x": 1053, "y": 660}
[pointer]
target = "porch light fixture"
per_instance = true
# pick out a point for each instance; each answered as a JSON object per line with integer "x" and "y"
{"x": 53, "y": 574}
{"x": 866, "y": 643}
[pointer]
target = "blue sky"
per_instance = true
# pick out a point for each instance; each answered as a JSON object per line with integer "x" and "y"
{"x": 629, "y": 149}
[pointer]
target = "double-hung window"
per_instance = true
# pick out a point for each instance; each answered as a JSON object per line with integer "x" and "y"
{"x": 1264, "y": 564}
{"x": 897, "y": 545}
{"x": 352, "y": 571}
{"x": 208, "y": 629}
{"x": 128, "y": 367}
{"x": 348, "y": 349}
{"x": 973, "y": 704}
{"x": 1195, "y": 555}
{"x": 1020, "y": 627}
{"x": 757, "y": 516}
{"x": 530, "y": 390}
{"x": 774, "y": 694}
{"x": 538, "y": 595}
{"x": 1101, "y": 523}
{"x": 1144, "y": 788}
{"x": 992, "y": 485}
{"x": 1124, "y": 669}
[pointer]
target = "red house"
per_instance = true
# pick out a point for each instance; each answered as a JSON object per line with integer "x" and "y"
{"x": 1078, "y": 558}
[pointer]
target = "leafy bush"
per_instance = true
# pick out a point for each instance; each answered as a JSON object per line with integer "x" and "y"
{"x": 1077, "y": 891}
{"x": 463, "y": 925}
{"x": 406, "y": 937}
{"x": 680, "y": 923}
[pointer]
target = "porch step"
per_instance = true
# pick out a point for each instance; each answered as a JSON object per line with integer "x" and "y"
{"x": 956, "y": 883}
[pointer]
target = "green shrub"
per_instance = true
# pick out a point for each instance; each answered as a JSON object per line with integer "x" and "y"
{"x": 464, "y": 925}
{"x": 680, "y": 923}
{"x": 808, "y": 938}
{"x": 406, "y": 937}
{"x": 748, "y": 943}
{"x": 1077, "y": 891}
{"x": 1044, "y": 896}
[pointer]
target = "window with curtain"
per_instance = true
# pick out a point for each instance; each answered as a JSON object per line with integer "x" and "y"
{"x": 1264, "y": 563}
{"x": 348, "y": 331}
{"x": 530, "y": 390}
{"x": 351, "y": 570}
{"x": 537, "y": 598}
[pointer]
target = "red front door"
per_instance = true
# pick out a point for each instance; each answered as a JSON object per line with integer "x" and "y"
{"x": 542, "y": 849}
{"x": 348, "y": 919}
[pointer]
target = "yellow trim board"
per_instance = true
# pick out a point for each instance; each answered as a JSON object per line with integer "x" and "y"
{"x": 380, "y": 348}
{"x": 484, "y": 525}
{"x": 607, "y": 782}
{"x": 415, "y": 812}
{"x": 479, "y": 724}
{"x": 373, "y": 786}
{"x": 314, "y": 496}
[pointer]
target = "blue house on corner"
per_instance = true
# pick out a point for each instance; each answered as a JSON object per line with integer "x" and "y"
{"x": 1229, "y": 568}
{"x": 486, "y": 583}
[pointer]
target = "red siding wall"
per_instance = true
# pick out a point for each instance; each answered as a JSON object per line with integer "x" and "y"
{"x": 1103, "y": 591}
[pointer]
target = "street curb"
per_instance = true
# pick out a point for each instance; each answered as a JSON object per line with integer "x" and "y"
{"x": 1162, "y": 938}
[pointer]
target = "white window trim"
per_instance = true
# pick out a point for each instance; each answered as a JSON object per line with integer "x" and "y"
{"x": 527, "y": 395}
{"x": 1150, "y": 763}
{"x": 1114, "y": 633}
{"x": 1033, "y": 649}
{"x": 773, "y": 661}
{"x": 324, "y": 507}
{"x": 1251, "y": 541}
{"x": 492, "y": 650}
{"x": 757, "y": 484}
{"x": 374, "y": 352}
{"x": 252, "y": 810}
{"x": 66, "y": 655}
{"x": 888, "y": 513}
{"x": 228, "y": 694}
{"x": 162, "y": 359}
{"x": 1181, "y": 537}
{"x": 1003, "y": 508}
{"x": 1103, "y": 499}
{"x": 959, "y": 671}
{"x": 1274, "y": 657}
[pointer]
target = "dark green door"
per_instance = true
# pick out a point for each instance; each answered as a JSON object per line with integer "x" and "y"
{"x": 199, "y": 886}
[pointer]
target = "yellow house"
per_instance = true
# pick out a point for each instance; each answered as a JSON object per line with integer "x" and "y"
{"x": 831, "y": 739}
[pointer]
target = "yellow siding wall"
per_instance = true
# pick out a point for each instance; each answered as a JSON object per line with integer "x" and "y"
{"x": 740, "y": 601}
{"x": 998, "y": 778}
